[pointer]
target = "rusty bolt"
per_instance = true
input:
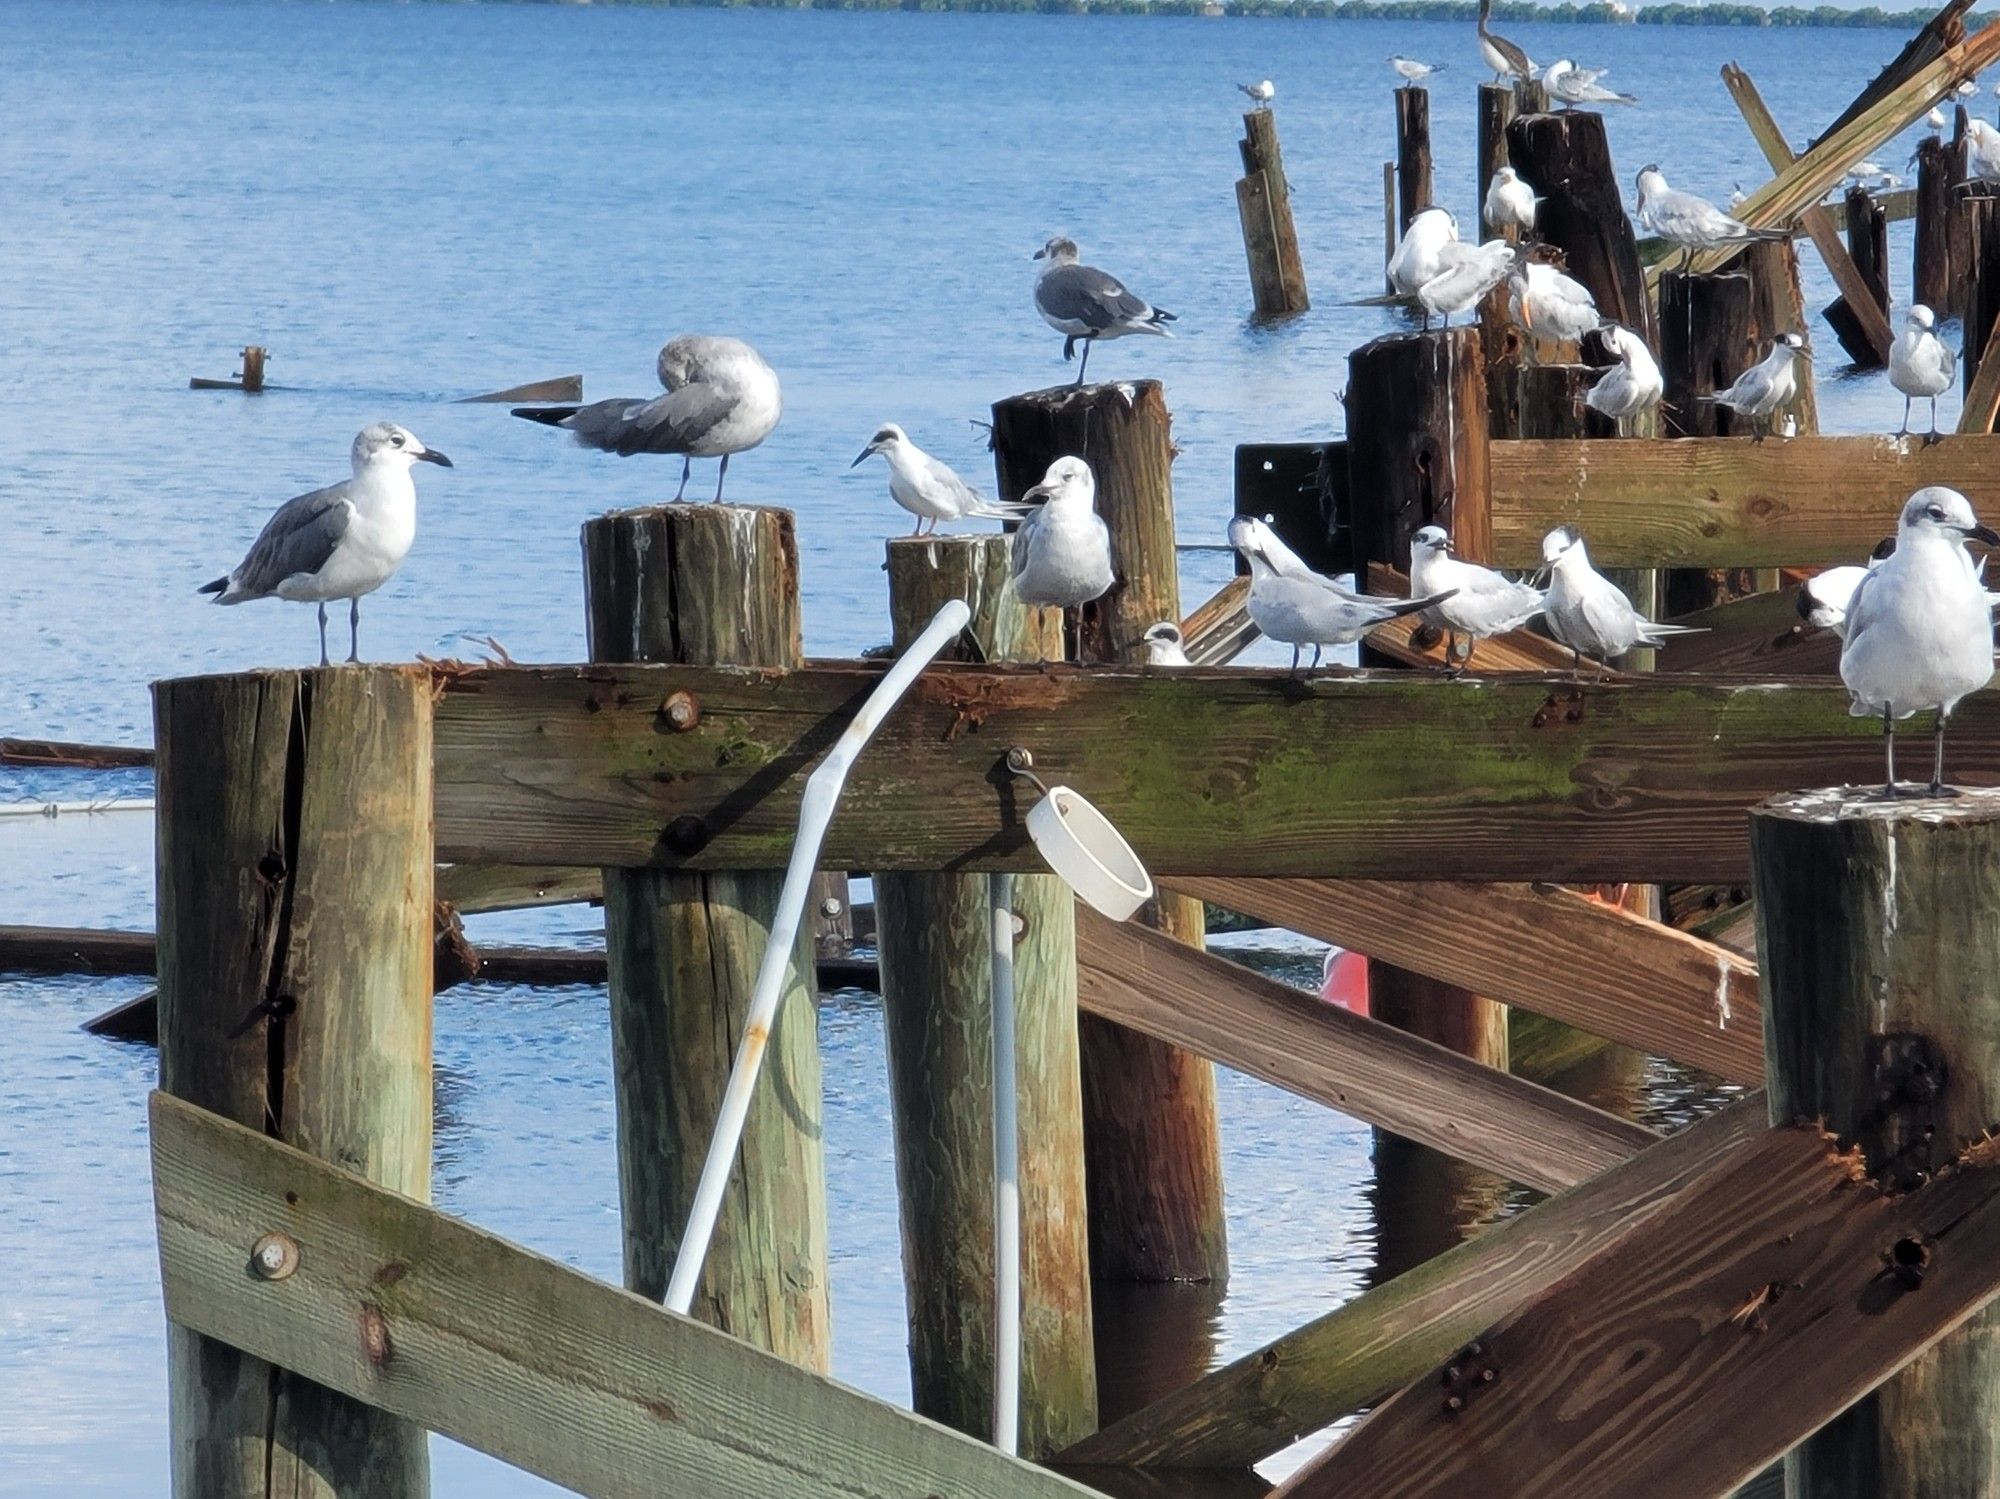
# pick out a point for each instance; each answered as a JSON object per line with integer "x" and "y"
{"x": 681, "y": 711}
{"x": 1909, "y": 1261}
{"x": 274, "y": 1256}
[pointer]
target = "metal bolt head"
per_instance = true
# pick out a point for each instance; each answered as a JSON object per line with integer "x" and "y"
{"x": 274, "y": 1256}
{"x": 681, "y": 711}
{"x": 830, "y": 907}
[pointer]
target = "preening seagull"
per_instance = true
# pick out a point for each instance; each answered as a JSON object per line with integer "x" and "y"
{"x": 1412, "y": 71}
{"x": 1469, "y": 273}
{"x": 1477, "y": 601}
{"x": 1824, "y": 597}
{"x": 1502, "y": 56}
{"x": 1164, "y": 646}
{"x": 1689, "y": 221}
{"x": 1549, "y": 303}
{"x": 1261, "y": 93}
{"x": 1920, "y": 626}
{"x": 1062, "y": 551}
{"x": 1632, "y": 385}
{"x": 722, "y": 399}
{"x": 1982, "y": 152}
{"x": 928, "y": 489}
{"x": 1586, "y": 611}
{"x": 1082, "y": 302}
{"x": 342, "y": 541}
{"x": 1418, "y": 253}
{"x": 1920, "y": 366}
{"x": 1571, "y": 85}
{"x": 1761, "y": 390}
{"x": 1510, "y": 203}
{"x": 1298, "y": 607}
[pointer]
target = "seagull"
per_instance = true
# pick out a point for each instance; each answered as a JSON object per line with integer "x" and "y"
{"x": 1921, "y": 367}
{"x": 1630, "y": 386}
{"x": 1298, "y": 607}
{"x": 1416, "y": 258}
{"x": 1261, "y": 93}
{"x": 339, "y": 542}
{"x": 1164, "y": 646}
{"x": 1572, "y": 85}
{"x": 1082, "y": 302}
{"x": 1062, "y": 551}
{"x": 1587, "y": 611}
{"x": 1825, "y": 596}
{"x": 1982, "y": 152}
{"x": 1693, "y": 223}
{"x": 1510, "y": 203}
{"x": 1920, "y": 626}
{"x": 1478, "y": 602}
{"x": 1966, "y": 89}
{"x": 1468, "y": 275}
{"x": 1550, "y": 304}
{"x": 928, "y": 489}
{"x": 1760, "y": 390}
{"x": 1412, "y": 71}
{"x": 1505, "y": 59}
{"x": 722, "y": 398}
{"x": 1935, "y": 119}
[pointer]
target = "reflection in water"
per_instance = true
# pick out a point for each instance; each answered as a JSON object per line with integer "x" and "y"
{"x": 1425, "y": 1203}
{"x": 1151, "y": 1340}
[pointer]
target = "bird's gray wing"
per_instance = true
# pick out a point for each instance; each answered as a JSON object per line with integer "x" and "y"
{"x": 1025, "y": 537}
{"x": 1083, "y": 294}
{"x": 945, "y": 477}
{"x": 666, "y": 424}
{"x": 1607, "y": 617}
{"x": 298, "y": 538}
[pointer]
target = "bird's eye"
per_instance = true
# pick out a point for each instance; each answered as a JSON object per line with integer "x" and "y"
{"x": 1936, "y": 512}
{"x": 395, "y": 439}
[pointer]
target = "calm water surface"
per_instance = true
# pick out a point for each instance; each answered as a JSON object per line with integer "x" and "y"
{"x": 411, "y": 204}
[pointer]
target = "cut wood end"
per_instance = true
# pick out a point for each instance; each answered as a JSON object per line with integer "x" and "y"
{"x": 1830, "y": 804}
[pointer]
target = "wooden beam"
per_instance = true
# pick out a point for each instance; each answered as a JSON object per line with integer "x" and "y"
{"x": 1608, "y": 971}
{"x": 1378, "y": 1342}
{"x": 1676, "y": 1363}
{"x": 52, "y": 752}
{"x": 1234, "y": 772}
{"x": 585, "y": 1384}
{"x": 1761, "y": 636}
{"x": 1220, "y": 630}
{"x": 472, "y": 888}
{"x": 1364, "y": 1068}
{"x": 1982, "y": 398}
{"x": 1722, "y": 501}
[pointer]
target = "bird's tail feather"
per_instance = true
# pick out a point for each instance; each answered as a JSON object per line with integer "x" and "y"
{"x": 548, "y": 416}
{"x": 217, "y": 586}
{"x": 1656, "y": 632}
{"x": 1414, "y": 606}
{"x": 987, "y": 509}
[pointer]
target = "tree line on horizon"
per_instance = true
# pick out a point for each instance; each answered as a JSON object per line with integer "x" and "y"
{"x": 1669, "y": 13}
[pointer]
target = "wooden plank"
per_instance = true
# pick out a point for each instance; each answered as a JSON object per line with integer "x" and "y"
{"x": 1362, "y": 1067}
{"x": 1232, "y": 772}
{"x": 1220, "y": 629}
{"x": 1357, "y": 1354}
{"x": 1678, "y": 1362}
{"x": 1721, "y": 502}
{"x": 1519, "y": 650}
{"x": 586, "y": 1384}
{"x": 1982, "y": 397}
{"x": 472, "y": 888}
{"x": 53, "y": 752}
{"x": 1761, "y": 636}
{"x": 1609, "y": 971}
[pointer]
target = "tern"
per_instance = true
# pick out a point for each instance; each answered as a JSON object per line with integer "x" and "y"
{"x": 1589, "y": 613}
{"x": 1760, "y": 391}
{"x": 930, "y": 490}
{"x": 1631, "y": 386}
{"x": 1298, "y": 607}
{"x": 1510, "y": 203}
{"x": 1478, "y": 602}
{"x": 1689, "y": 221}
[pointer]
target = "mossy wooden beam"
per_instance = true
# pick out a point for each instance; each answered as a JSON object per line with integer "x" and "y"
{"x": 590, "y": 1386}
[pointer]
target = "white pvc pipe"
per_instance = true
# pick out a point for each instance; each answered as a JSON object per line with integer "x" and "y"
{"x": 68, "y": 809}
{"x": 822, "y": 794}
{"x": 1006, "y": 1178}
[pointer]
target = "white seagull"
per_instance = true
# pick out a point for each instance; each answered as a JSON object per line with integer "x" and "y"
{"x": 1549, "y": 303}
{"x": 1478, "y": 602}
{"x": 1570, "y": 85}
{"x": 928, "y": 489}
{"x": 339, "y": 542}
{"x": 1418, "y": 254}
{"x": 1689, "y": 221}
{"x": 1824, "y": 597}
{"x": 1632, "y": 385}
{"x": 1505, "y": 59}
{"x": 1510, "y": 203}
{"x": 1920, "y": 626}
{"x": 1586, "y": 611}
{"x": 1412, "y": 71}
{"x": 1082, "y": 302}
{"x": 1261, "y": 93}
{"x": 1920, "y": 366}
{"x": 1469, "y": 273}
{"x": 1164, "y": 646}
{"x": 1982, "y": 152}
{"x": 1935, "y": 119}
{"x": 1298, "y": 607}
{"x": 1762, "y": 389}
{"x": 1062, "y": 551}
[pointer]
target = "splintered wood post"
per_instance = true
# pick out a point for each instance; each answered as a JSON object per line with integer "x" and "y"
{"x": 1777, "y": 305}
{"x": 1152, "y": 1151}
{"x": 294, "y": 892}
{"x": 1868, "y": 249}
{"x": 1980, "y": 283}
{"x": 1264, "y": 203}
{"x": 1568, "y": 160}
{"x": 710, "y": 585}
{"x": 1875, "y": 925}
{"x": 1413, "y": 153}
{"x": 1932, "y": 281}
{"x": 932, "y": 932}
{"x": 1498, "y": 105}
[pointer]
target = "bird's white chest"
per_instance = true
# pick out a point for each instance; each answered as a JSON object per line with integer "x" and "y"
{"x": 919, "y": 493}
{"x": 1921, "y": 634}
{"x": 378, "y": 538}
{"x": 1917, "y": 366}
{"x": 1068, "y": 557}
{"x": 752, "y": 418}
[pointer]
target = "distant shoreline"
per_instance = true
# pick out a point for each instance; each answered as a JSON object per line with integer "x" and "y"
{"x": 1671, "y": 13}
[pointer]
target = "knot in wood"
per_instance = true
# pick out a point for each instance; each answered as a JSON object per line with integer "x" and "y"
{"x": 1910, "y": 1080}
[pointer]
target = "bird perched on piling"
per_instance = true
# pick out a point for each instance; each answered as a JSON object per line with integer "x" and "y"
{"x": 1690, "y": 221}
{"x": 1920, "y": 366}
{"x": 1298, "y": 607}
{"x": 1510, "y": 203}
{"x": 1982, "y": 153}
{"x": 1589, "y": 613}
{"x": 1418, "y": 254}
{"x": 1082, "y": 302}
{"x": 1477, "y": 601}
{"x": 1508, "y": 61}
{"x": 1919, "y": 625}
{"x": 1411, "y": 71}
{"x": 1570, "y": 85}
{"x": 1164, "y": 646}
{"x": 1549, "y": 303}
{"x": 1062, "y": 551}
{"x": 1824, "y": 597}
{"x": 1760, "y": 391}
{"x": 1468, "y": 274}
{"x": 1632, "y": 385}
{"x": 927, "y": 488}
{"x": 1261, "y": 93}
{"x": 722, "y": 399}
{"x": 340, "y": 542}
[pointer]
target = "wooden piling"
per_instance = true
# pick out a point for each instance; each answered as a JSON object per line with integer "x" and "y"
{"x": 1979, "y": 284}
{"x": 253, "y": 368}
{"x": 1875, "y": 933}
{"x": 1931, "y": 279}
{"x": 1868, "y": 247}
{"x": 1777, "y": 305}
{"x": 712, "y": 585}
{"x": 294, "y": 893}
{"x": 1568, "y": 159}
{"x": 1264, "y": 204}
{"x": 1391, "y": 230}
{"x": 1153, "y": 1156}
{"x": 932, "y": 932}
{"x": 1413, "y": 153}
{"x": 1498, "y": 105}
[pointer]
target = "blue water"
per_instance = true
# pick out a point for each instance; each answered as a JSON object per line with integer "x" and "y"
{"x": 409, "y": 204}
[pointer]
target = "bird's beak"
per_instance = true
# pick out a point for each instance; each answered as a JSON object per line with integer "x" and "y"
{"x": 866, "y": 453}
{"x": 1038, "y": 254}
{"x": 432, "y": 455}
{"x": 1985, "y": 535}
{"x": 1041, "y": 494}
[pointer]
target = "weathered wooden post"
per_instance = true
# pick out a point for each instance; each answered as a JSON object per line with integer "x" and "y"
{"x": 1979, "y": 286}
{"x": 1413, "y": 153}
{"x": 294, "y": 868}
{"x": 1778, "y": 305}
{"x": 1151, "y": 1148}
{"x": 1499, "y": 105}
{"x": 1876, "y": 928}
{"x": 1932, "y": 280}
{"x": 1568, "y": 159}
{"x": 710, "y": 585}
{"x": 253, "y": 368}
{"x": 1705, "y": 344}
{"x": 931, "y": 930}
{"x": 1868, "y": 247}
{"x": 1264, "y": 204}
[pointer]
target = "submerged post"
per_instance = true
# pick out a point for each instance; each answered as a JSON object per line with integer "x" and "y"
{"x": 1876, "y": 936}
{"x": 1151, "y": 1147}
{"x": 1264, "y": 204}
{"x": 932, "y": 931}
{"x": 710, "y": 585}
{"x": 295, "y": 869}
